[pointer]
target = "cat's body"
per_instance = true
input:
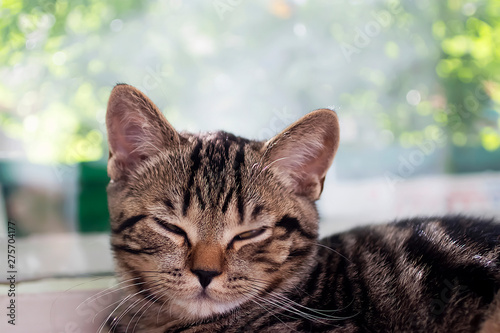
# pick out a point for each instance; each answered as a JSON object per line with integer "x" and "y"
{"x": 215, "y": 233}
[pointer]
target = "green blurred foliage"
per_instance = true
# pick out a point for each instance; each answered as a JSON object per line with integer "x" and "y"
{"x": 34, "y": 33}
{"x": 56, "y": 39}
{"x": 469, "y": 69}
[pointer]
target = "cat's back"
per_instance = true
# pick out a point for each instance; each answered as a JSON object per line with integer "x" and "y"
{"x": 416, "y": 275}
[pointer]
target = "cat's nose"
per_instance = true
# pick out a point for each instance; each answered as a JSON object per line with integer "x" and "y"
{"x": 205, "y": 277}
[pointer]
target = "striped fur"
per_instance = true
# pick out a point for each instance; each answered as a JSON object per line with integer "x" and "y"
{"x": 216, "y": 233}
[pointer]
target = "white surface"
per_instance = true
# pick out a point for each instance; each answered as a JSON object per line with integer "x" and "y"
{"x": 65, "y": 254}
{"x": 73, "y": 309}
{"x": 345, "y": 205}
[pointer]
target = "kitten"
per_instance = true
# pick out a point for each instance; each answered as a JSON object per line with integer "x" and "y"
{"x": 216, "y": 233}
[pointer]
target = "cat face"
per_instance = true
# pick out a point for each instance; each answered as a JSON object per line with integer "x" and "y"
{"x": 202, "y": 224}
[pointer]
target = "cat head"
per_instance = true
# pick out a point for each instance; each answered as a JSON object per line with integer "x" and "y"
{"x": 206, "y": 222}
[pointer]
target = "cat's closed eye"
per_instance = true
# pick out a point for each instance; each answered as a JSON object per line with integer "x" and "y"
{"x": 171, "y": 227}
{"x": 250, "y": 234}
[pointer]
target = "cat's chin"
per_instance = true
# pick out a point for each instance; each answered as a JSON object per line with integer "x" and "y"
{"x": 201, "y": 307}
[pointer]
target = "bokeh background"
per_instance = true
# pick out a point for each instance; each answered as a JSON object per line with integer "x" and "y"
{"x": 415, "y": 84}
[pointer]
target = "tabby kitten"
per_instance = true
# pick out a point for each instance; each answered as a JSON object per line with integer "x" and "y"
{"x": 216, "y": 233}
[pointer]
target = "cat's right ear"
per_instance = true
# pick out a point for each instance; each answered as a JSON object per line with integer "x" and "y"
{"x": 302, "y": 153}
{"x": 137, "y": 130}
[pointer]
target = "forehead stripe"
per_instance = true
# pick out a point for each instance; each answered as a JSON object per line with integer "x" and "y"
{"x": 227, "y": 200}
{"x": 195, "y": 158}
{"x": 200, "y": 198}
{"x": 239, "y": 161}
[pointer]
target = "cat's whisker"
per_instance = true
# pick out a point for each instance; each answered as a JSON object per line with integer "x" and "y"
{"x": 107, "y": 291}
{"x": 258, "y": 166}
{"x": 118, "y": 306}
{"x": 287, "y": 307}
{"x": 124, "y": 313}
{"x": 276, "y": 160}
{"x": 287, "y": 300}
{"x": 170, "y": 310}
{"x": 291, "y": 308}
{"x": 260, "y": 298}
{"x": 86, "y": 282}
{"x": 279, "y": 300}
{"x": 130, "y": 307}
{"x": 146, "y": 300}
{"x": 111, "y": 314}
{"x": 274, "y": 315}
{"x": 109, "y": 305}
{"x": 262, "y": 170}
{"x": 100, "y": 292}
{"x": 334, "y": 251}
{"x": 267, "y": 166}
{"x": 318, "y": 311}
{"x": 152, "y": 301}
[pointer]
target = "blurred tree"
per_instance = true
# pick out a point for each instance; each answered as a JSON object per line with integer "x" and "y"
{"x": 55, "y": 79}
{"x": 469, "y": 68}
{"x": 34, "y": 46}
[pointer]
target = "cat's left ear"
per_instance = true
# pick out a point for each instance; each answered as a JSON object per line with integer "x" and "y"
{"x": 301, "y": 154}
{"x": 137, "y": 130}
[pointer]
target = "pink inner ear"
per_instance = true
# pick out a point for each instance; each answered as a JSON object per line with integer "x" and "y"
{"x": 318, "y": 164}
{"x": 303, "y": 158}
{"x": 124, "y": 144}
{"x": 304, "y": 166}
{"x": 126, "y": 141}
{"x": 136, "y": 130}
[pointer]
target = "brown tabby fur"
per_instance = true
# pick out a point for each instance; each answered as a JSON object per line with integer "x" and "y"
{"x": 215, "y": 233}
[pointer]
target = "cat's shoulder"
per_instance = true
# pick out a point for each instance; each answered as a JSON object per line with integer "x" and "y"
{"x": 458, "y": 228}
{"x": 454, "y": 227}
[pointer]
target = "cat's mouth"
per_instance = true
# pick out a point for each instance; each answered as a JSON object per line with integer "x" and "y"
{"x": 203, "y": 295}
{"x": 204, "y": 304}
